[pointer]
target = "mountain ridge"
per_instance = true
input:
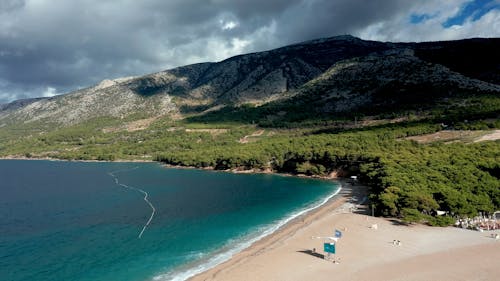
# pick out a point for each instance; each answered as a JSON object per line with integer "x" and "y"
{"x": 256, "y": 78}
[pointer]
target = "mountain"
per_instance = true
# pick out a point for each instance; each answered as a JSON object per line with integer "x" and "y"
{"x": 384, "y": 82}
{"x": 109, "y": 98}
{"x": 330, "y": 75}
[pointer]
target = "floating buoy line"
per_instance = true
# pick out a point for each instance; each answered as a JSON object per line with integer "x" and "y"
{"x": 153, "y": 210}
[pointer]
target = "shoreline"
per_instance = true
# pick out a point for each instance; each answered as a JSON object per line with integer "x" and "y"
{"x": 366, "y": 251}
{"x": 295, "y": 222}
{"x": 290, "y": 227}
{"x": 332, "y": 176}
{"x": 336, "y": 188}
{"x": 221, "y": 258}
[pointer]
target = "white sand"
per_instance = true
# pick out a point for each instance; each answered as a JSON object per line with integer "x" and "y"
{"x": 425, "y": 253}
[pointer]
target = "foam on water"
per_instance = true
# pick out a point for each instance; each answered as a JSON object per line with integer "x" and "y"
{"x": 225, "y": 255}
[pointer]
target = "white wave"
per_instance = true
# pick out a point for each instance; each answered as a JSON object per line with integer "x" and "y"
{"x": 226, "y": 255}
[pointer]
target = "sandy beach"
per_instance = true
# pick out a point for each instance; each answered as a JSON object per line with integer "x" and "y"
{"x": 364, "y": 252}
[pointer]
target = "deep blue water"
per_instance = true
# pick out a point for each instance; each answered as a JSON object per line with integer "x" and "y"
{"x": 71, "y": 221}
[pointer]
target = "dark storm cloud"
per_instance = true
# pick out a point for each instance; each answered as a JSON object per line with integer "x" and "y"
{"x": 321, "y": 18}
{"x": 54, "y": 46}
{"x": 9, "y": 5}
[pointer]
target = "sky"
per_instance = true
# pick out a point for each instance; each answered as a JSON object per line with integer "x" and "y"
{"x": 50, "y": 47}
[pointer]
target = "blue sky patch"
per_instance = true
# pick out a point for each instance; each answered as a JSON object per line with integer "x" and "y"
{"x": 419, "y": 18}
{"x": 474, "y": 9}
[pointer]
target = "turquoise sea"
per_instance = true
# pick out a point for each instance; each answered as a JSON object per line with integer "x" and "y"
{"x": 83, "y": 221}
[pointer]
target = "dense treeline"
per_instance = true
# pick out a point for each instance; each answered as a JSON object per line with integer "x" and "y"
{"x": 407, "y": 179}
{"x": 306, "y": 110}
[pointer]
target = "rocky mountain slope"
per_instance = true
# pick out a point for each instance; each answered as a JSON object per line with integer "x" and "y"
{"x": 331, "y": 75}
{"x": 386, "y": 81}
{"x": 109, "y": 98}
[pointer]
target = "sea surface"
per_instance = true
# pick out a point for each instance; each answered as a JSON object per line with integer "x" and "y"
{"x": 89, "y": 221}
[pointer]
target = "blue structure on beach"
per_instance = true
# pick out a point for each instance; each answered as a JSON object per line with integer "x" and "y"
{"x": 329, "y": 248}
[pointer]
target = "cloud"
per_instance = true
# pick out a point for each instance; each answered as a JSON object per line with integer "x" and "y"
{"x": 68, "y": 44}
{"x": 402, "y": 27}
{"x": 473, "y": 10}
{"x": 228, "y": 25}
{"x": 50, "y": 92}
